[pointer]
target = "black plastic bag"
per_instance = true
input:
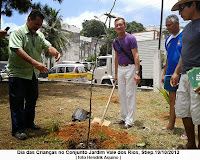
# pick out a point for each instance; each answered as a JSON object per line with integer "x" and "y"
{"x": 79, "y": 115}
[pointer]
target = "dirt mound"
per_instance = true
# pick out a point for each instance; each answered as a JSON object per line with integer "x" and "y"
{"x": 75, "y": 136}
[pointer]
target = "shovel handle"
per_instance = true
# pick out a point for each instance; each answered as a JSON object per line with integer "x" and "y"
{"x": 102, "y": 119}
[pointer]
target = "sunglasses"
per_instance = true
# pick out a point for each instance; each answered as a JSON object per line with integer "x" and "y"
{"x": 181, "y": 7}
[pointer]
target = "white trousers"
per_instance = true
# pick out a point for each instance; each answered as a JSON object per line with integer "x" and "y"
{"x": 127, "y": 89}
{"x": 187, "y": 101}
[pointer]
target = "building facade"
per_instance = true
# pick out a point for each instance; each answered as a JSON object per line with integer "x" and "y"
{"x": 79, "y": 49}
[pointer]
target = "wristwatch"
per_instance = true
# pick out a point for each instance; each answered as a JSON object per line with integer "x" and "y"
{"x": 137, "y": 72}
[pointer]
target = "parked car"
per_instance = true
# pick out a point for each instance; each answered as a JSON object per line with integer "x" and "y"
{"x": 69, "y": 72}
{"x": 3, "y": 75}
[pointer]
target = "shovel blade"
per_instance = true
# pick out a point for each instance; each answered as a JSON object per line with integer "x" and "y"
{"x": 102, "y": 123}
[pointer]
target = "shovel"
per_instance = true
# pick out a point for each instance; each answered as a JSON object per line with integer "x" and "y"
{"x": 102, "y": 121}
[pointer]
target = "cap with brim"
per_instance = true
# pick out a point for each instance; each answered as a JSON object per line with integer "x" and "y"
{"x": 176, "y": 6}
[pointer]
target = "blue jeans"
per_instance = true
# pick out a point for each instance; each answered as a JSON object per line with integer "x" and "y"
{"x": 20, "y": 90}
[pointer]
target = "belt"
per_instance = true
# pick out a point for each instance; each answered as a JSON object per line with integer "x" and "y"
{"x": 123, "y": 65}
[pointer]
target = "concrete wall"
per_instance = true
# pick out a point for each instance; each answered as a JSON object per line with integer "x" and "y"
{"x": 73, "y": 49}
{"x": 148, "y": 35}
{"x": 146, "y": 51}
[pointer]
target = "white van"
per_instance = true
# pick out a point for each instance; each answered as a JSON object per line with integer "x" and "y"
{"x": 69, "y": 72}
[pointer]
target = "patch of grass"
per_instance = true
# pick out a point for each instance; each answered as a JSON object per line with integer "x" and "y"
{"x": 101, "y": 134}
{"x": 154, "y": 102}
{"x": 4, "y": 101}
{"x": 151, "y": 111}
{"x": 54, "y": 128}
{"x": 80, "y": 133}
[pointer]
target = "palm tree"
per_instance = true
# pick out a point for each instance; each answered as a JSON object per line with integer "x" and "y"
{"x": 52, "y": 30}
{"x": 22, "y": 6}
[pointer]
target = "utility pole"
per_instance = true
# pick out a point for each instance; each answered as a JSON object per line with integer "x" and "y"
{"x": 108, "y": 38}
{"x": 161, "y": 20}
{"x": 157, "y": 58}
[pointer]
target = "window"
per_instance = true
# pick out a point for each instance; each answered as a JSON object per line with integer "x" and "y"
{"x": 101, "y": 62}
{"x": 81, "y": 70}
{"x": 61, "y": 69}
{"x": 69, "y": 69}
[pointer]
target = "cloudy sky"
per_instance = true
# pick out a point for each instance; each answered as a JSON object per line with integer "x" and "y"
{"x": 74, "y": 12}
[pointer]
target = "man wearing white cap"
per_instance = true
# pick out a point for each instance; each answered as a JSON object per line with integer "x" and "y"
{"x": 187, "y": 104}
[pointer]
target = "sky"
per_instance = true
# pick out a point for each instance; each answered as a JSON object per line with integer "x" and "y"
{"x": 74, "y": 12}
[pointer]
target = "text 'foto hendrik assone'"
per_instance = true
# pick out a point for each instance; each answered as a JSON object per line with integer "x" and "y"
{"x": 101, "y": 155}
{"x": 98, "y": 157}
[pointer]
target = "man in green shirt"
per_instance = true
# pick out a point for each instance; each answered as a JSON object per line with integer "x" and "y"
{"x": 24, "y": 65}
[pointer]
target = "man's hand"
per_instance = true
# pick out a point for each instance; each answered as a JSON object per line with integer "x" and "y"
{"x": 163, "y": 79}
{"x": 51, "y": 50}
{"x": 57, "y": 56}
{"x": 174, "y": 80}
{"x": 41, "y": 67}
{"x": 198, "y": 89}
{"x": 137, "y": 79}
{"x": 115, "y": 77}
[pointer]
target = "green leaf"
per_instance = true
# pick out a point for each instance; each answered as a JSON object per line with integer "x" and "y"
{"x": 165, "y": 94}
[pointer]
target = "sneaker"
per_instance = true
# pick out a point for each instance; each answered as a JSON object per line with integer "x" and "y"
{"x": 120, "y": 122}
{"x": 20, "y": 136}
{"x": 184, "y": 136}
{"x": 126, "y": 126}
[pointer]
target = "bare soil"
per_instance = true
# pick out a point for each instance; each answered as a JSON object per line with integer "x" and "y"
{"x": 59, "y": 100}
{"x": 101, "y": 137}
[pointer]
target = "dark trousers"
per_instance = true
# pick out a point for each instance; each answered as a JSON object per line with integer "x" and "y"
{"x": 23, "y": 95}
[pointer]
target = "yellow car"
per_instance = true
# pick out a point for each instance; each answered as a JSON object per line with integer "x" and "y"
{"x": 69, "y": 72}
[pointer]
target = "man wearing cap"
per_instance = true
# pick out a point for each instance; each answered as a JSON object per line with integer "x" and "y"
{"x": 187, "y": 104}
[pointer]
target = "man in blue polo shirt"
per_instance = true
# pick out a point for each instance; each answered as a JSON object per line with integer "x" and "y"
{"x": 173, "y": 46}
